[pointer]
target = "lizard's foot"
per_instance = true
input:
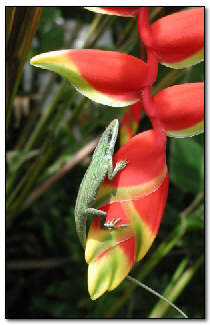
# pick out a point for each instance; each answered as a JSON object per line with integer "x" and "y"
{"x": 112, "y": 224}
{"x": 121, "y": 164}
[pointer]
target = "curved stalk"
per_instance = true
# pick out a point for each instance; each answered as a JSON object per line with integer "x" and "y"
{"x": 173, "y": 291}
{"x": 151, "y": 111}
{"x": 144, "y": 286}
{"x": 143, "y": 27}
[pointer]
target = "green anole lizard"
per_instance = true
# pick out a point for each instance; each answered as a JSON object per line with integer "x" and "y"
{"x": 100, "y": 166}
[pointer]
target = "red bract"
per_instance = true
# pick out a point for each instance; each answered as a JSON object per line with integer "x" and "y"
{"x": 119, "y": 11}
{"x": 181, "y": 109}
{"x": 108, "y": 77}
{"x": 177, "y": 39}
{"x": 137, "y": 196}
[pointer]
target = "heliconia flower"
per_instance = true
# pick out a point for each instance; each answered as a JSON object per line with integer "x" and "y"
{"x": 177, "y": 39}
{"x": 137, "y": 195}
{"x": 130, "y": 122}
{"x": 118, "y": 11}
{"x": 181, "y": 109}
{"x": 107, "y": 77}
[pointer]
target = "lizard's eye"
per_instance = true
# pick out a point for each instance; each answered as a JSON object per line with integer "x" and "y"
{"x": 109, "y": 137}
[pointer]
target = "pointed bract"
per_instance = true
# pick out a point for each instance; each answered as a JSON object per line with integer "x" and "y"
{"x": 177, "y": 39}
{"x": 181, "y": 109}
{"x": 107, "y": 77}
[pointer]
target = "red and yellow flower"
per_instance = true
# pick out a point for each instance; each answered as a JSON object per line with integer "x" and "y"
{"x": 137, "y": 196}
{"x": 107, "y": 77}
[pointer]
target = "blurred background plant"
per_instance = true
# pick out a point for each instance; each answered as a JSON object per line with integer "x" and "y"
{"x": 51, "y": 132}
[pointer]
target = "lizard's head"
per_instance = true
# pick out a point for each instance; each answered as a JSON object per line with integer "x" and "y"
{"x": 108, "y": 139}
{"x": 111, "y": 133}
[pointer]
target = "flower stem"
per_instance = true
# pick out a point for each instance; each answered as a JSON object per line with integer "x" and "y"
{"x": 143, "y": 27}
{"x": 150, "y": 109}
{"x": 153, "y": 67}
{"x": 140, "y": 284}
{"x": 173, "y": 290}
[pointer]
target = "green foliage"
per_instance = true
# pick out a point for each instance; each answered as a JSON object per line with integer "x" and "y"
{"x": 186, "y": 163}
{"x": 46, "y": 271}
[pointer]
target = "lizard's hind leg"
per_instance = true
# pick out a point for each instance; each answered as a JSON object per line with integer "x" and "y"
{"x": 97, "y": 213}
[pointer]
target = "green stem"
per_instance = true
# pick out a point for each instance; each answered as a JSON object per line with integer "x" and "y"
{"x": 14, "y": 210}
{"x": 127, "y": 32}
{"x": 94, "y": 26}
{"x": 74, "y": 34}
{"x": 173, "y": 290}
{"x": 17, "y": 188}
{"x": 10, "y": 13}
{"x": 130, "y": 43}
{"x": 37, "y": 132}
{"x": 129, "y": 38}
{"x": 104, "y": 25}
{"x": 198, "y": 199}
{"x": 35, "y": 112}
{"x": 168, "y": 80}
{"x": 142, "y": 285}
{"x": 47, "y": 141}
{"x": 23, "y": 29}
{"x": 180, "y": 269}
{"x": 183, "y": 215}
{"x": 77, "y": 111}
{"x": 45, "y": 117}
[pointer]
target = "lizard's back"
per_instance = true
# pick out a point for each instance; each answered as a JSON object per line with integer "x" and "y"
{"x": 94, "y": 176}
{"x": 90, "y": 184}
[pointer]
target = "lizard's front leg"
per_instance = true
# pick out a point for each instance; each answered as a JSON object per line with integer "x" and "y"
{"x": 119, "y": 166}
{"x": 111, "y": 174}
